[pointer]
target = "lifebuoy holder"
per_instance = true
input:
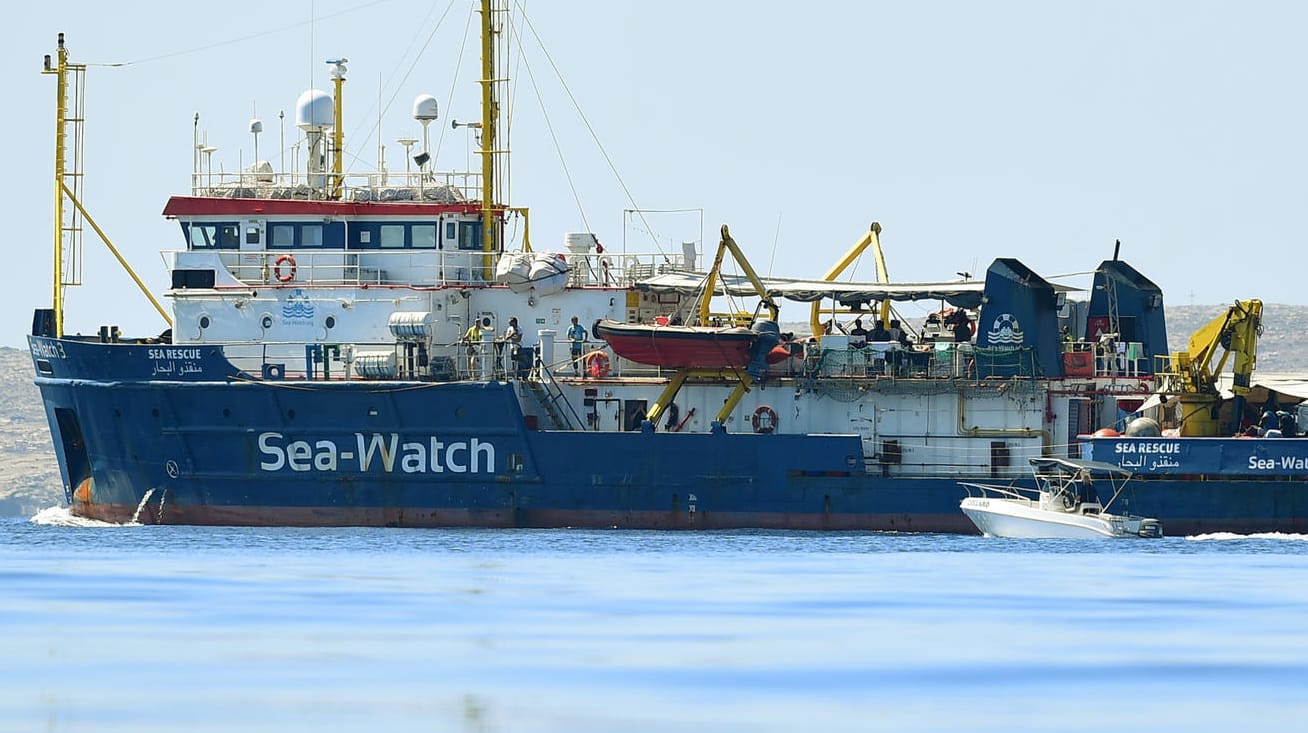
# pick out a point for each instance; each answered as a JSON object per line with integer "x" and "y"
{"x": 287, "y": 276}
{"x": 764, "y": 419}
{"x": 597, "y": 364}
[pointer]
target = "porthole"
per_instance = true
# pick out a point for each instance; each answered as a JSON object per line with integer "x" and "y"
{"x": 204, "y": 322}
{"x": 331, "y": 321}
{"x": 266, "y": 321}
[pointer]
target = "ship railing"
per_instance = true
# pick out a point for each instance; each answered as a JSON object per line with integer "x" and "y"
{"x": 621, "y": 270}
{"x": 836, "y": 358}
{"x": 1120, "y": 359}
{"x": 420, "y": 267}
{"x": 313, "y": 267}
{"x": 384, "y": 186}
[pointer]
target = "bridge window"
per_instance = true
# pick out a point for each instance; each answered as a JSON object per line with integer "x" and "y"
{"x": 392, "y": 236}
{"x": 310, "y": 235}
{"x": 288, "y": 235}
{"x": 372, "y": 235}
{"x": 469, "y": 235}
{"x": 281, "y": 236}
{"x": 423, "y": 235}
{"x": 213, "y": 236}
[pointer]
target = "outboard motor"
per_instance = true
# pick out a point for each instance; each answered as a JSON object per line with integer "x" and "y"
{"x": 769, "y": 335}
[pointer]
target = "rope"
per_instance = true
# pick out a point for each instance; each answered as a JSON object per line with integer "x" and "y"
{"x": 240, "y": 39}
{"x": 594, "y": 136}
{"x": 549, "y": 126}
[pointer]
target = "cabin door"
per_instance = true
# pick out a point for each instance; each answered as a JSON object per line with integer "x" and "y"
{"x": 608, "y": 414}
{"x": 252, "y": 246}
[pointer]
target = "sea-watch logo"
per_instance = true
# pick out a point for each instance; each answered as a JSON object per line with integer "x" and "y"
{"x": 1006, "y": 331}
{"x": 298, "y": 310}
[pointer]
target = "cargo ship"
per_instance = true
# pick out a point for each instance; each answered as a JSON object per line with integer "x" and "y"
{"x": 376, "y": 349}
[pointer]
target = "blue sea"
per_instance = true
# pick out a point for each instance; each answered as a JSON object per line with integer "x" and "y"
{"x": 146, "y": 628}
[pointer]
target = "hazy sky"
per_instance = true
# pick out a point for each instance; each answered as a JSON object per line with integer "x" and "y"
{"x": 1037, "y": 130}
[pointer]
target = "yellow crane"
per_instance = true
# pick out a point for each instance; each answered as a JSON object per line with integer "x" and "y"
{"x": 871, "y": 239}
{"x": 1191, "y": 376}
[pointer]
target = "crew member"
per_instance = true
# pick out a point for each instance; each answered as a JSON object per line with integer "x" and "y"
{"x": 577, "y": 341}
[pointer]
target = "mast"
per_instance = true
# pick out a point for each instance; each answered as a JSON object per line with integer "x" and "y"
{"x": 60, "y": 70}
{"x": 490, "y": 113}
{"x": 338, "y": 128}
{"x": 68, "y": 172}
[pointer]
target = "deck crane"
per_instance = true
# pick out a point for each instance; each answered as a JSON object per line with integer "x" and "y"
{"x": 1191, "y": 378}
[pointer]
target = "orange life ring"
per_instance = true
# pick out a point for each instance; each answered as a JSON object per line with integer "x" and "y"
{"x": 764, "y": 420}
{"x": 597, "y": 364}
{"x": 289, "y": 275}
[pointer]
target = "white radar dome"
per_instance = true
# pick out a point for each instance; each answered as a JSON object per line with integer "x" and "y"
{"x": 314, "y": 110}
{"x": 424, "y": 107}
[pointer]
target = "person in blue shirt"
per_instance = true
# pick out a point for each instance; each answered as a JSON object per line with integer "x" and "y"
{"x": 577, "y": 340}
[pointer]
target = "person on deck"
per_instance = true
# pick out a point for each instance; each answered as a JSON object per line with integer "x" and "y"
{"x": 577, "y": 342}
{"x": 858, "y": 334}
{"x": 512, "y": 337}
{"x": 1268, "y": 421}
{"x": 879, "y": 332}
{"x": 961, "y": 325}
{"x": 1288, "y": 424}
{"x": 472, "y": 344}
{"x": 897, "y": 334}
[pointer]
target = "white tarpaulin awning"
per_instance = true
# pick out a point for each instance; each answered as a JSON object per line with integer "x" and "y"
{"x": 1294, "y": 385}
{"x": 960, "y": 294}
{"x": 1288, "y": 385}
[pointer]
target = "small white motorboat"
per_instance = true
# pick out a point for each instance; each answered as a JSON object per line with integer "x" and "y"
{"x": 1065, "y": 503}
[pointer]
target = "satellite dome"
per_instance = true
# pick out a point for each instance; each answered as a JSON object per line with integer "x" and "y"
{"x": 424, "y": 107}
{"x": 314, "y": 110}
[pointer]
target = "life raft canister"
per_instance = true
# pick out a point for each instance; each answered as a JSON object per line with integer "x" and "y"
{"x": 764, "y": 419}
{"x": 287, "y": 276}
{"x": 597, "y": 364}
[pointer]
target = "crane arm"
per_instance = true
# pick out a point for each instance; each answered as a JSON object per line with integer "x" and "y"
{"x": 727, "y": 244}
{"x": 1235, "y": 335}
{"x": 871, "y": 239}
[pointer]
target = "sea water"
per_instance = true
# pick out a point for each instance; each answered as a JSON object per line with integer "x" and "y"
{"x": 146, "y": 628}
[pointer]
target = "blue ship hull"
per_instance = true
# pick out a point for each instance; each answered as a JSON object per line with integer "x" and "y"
{"x": 177, "y": 435}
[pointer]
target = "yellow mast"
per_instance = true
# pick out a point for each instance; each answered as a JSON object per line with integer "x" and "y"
{"x": 60, "y": 71}
{"x": 490, "y": 113}
{"x": 338, "y": 131}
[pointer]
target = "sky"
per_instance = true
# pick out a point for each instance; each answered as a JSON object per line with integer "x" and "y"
{"x": 1035, "y": 130}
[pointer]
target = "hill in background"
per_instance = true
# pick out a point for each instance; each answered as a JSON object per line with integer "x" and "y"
{"x": 29, "y": 474}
